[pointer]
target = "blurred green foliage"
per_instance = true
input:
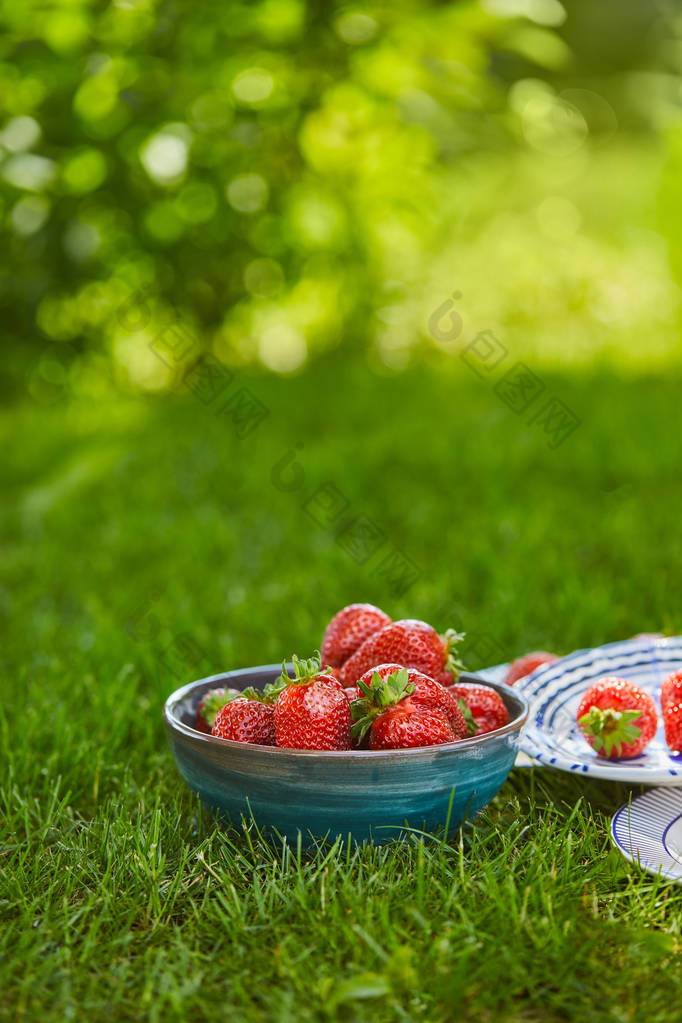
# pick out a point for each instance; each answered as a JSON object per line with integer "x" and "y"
{"x": 282, "y": 178}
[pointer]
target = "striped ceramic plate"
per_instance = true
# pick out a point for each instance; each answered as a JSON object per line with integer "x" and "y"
{"x": 551, "y": 735}
{"x": 648, "y": 831}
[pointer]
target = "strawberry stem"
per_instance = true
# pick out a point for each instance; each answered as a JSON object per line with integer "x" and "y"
{"x": 215, "y": 701}
{"x": 468, "y": 716}
{"x": 378, "y": 696}
{"x": 452, "y": 639}
{"x": 305, "y": 670}
{"x": 268, "y": 695}
{"x": 610, "y": 728}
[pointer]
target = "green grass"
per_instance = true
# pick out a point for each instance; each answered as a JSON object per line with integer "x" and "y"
{"x": 144, "y": 544}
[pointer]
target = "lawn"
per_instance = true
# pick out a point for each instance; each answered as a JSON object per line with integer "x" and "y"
{"x": 151, "y": 540}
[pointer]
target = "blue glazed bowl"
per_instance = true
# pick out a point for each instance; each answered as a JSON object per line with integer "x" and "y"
{"x": 361, "y": 793}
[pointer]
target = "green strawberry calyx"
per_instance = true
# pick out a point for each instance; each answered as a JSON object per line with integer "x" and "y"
{"x": 377, "y": 697}
{"x": 610, "y": 728}
{"x": 451, "y": 638}
{"x": 214, "y": 701}
{"x": 305, "y": 670}
{"x": 468, "y": 716}
{"x": 259, "y": 696}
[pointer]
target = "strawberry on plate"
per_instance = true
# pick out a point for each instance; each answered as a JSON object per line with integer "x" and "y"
{"x": 402, "y": 708}
{"x": 248, "y": 717}
{"x": 348, "y": 629}
{"x": 523, "y": 666}
{"x": 312, "y": 711}
{"x": 486, "y": 709}
{"x": 671, "y": 690}
{"x": 672, "y": 723}
{"x": 617, "y": 718}
{"x": 412, "y": 644}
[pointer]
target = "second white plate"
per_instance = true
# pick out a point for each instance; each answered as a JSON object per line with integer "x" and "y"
{"x": 648, "y": 831}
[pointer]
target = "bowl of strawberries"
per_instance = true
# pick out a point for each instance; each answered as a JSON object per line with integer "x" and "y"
{"x": 379, "y": 733}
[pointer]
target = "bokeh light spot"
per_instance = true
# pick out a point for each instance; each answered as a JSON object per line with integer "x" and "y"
{"x": 247, "y": 193}
{"x": 84, "y": 171}
{"x": 549, "y": 123}
{"x": 133, "y": 353}
{"x": 355, "y": 27}
{"x": 29, "y": 171}
{"x": 66, "y": 30}
{"x": 282, "y": 348}
{"x": 164, "y": 157}
{"x": 81, "y": 241}
{"x": 96, "y": 97}
{"x": 29, "y": 214}
{"x": 550, "y": 13}
{"x": 253, "y": 85}
{"x": 280, "y": 20}
{"x": 20, "y": 133}
{"x": 318, "y": 220}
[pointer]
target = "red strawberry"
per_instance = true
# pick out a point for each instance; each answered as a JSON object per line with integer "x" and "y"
{"x": 617, "y": 718}
{"x": 425, "y": 692}
{"x": 523, "y": 666}
{"x": 209, "y": 705}
{"x": 246, "y": 720}
{"x": 671, "y": 690}
{"x": 353, "y": 693}
{"x": 312, "y": 710}
{"x": 348, "y": 630}
{"x": 672, "y": 723}
{"x": 399, "y": 711}
{"x": 411, "y": 643}
{"x": 403, "y": 727}
{"x": 485, "y": 706}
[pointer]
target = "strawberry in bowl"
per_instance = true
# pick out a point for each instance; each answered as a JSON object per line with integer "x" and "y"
{"x": 483, "y": 708}
{"x": 400, "y": 708}
{"x": 209, "y": 705}
{"x": 312, "y": 710}
{"x": 412, "y": 644}
{"x": 247, "y": 717}
{"x": 348, "y": 630}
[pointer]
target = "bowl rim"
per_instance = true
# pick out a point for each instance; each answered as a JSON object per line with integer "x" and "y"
{"x": 174, "y": 724}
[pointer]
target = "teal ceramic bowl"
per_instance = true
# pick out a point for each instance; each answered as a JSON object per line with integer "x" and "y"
{"x": 358, "y": 793}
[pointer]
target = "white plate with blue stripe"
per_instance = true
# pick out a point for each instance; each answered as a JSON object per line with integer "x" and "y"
{"x": 554, "y": 691}
{"x": 648, "y": 832}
